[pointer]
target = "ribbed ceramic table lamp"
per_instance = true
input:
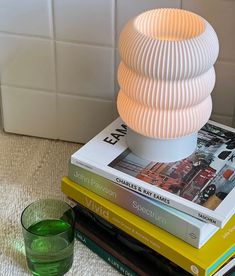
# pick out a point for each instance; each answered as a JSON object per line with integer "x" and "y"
{"x": 166, "y": 76}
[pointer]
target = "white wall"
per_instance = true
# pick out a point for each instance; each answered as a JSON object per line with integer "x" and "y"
{"x": 58, "y": 61}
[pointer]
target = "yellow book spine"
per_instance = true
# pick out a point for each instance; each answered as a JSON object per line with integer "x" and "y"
{"x": 140, "y": 229}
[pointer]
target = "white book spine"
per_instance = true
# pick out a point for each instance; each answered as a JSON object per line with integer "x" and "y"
{"x": 142, "y": 189}
{"x": 189, "y": 229}
{"x": 110, "y": 144}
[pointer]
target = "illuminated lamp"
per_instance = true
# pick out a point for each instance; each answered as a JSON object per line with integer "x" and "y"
{"x": 166, "y": 76}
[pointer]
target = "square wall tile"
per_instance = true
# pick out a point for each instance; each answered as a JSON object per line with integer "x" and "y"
{"x": 224, "y": 92}
{"x": 127, "y": 9}
{"x": 221, "y": 15}
{"x": 85, "y": 70}
{"x": 226, "y": 120}
{"x": 27, "y": 62}
{"x": 31, "y": 17}
{"x": 89, "y": 21}
{"x": 29, "y": 112}
{"x": 80, "y": 119}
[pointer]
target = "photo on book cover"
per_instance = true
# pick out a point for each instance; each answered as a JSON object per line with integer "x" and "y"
{"x": 205, "y": 178}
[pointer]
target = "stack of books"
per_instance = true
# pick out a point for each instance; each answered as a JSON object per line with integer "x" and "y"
{"x": 148, "y": 218}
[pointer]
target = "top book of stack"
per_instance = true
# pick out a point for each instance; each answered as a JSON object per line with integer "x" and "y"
{"x": 201, "y": 185}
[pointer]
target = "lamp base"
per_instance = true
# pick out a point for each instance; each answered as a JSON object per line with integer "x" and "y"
{"x": 161, "y": 150}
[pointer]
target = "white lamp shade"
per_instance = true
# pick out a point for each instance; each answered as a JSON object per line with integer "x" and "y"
{"x": 163, "y": 123}
{"x": 166, "y": 75}
{"x": 168, "y": 44}
{"x": 165, "y": 94}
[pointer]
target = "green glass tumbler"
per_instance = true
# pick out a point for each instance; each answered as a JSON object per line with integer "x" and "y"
{"x": 48, "y": 231}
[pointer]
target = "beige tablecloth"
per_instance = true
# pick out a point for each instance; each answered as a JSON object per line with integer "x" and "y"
{"x": 30, "y": 169}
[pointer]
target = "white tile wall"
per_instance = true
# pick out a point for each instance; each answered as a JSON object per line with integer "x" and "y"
{"x": 29, "y": 111}
{"x": 127, "y": 9}
{"x": 58, "y": 61}
{"x": 27, "y": 61}
{"x": 227, "y": 120}
{"x": 30, "y": 17}
{"x": 221, "y": 15}
{"x": 85, "y": 70}
{"x": 90, "y": 21}
{"x": 76, "y": 113}
{"x": 224, "y": 92}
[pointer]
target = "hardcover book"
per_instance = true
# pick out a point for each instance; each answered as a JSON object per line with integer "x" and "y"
{"x": 183, "y": 226}
{"x": 201, "y": 185}
{"x": 84, "y": 237}
{"x": 204, "y": 261}
{"x": 123, "y": 252}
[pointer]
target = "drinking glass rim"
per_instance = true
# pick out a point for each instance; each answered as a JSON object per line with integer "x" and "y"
{"x": 42, "y": 199}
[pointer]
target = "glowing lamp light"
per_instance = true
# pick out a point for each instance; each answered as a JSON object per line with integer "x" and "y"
{"x": 166, "y": 76}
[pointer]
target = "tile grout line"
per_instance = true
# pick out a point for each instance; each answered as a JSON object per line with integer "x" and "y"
{"x": 8, "y": 85}
{"x": 66, "y": 41}
{"x": 63, "y": 93}
{"x": 52, "y": 21}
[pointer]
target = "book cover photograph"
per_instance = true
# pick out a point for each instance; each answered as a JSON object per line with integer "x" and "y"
{"x": 206, "y": 177}
{"x": 201, "y": 185}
